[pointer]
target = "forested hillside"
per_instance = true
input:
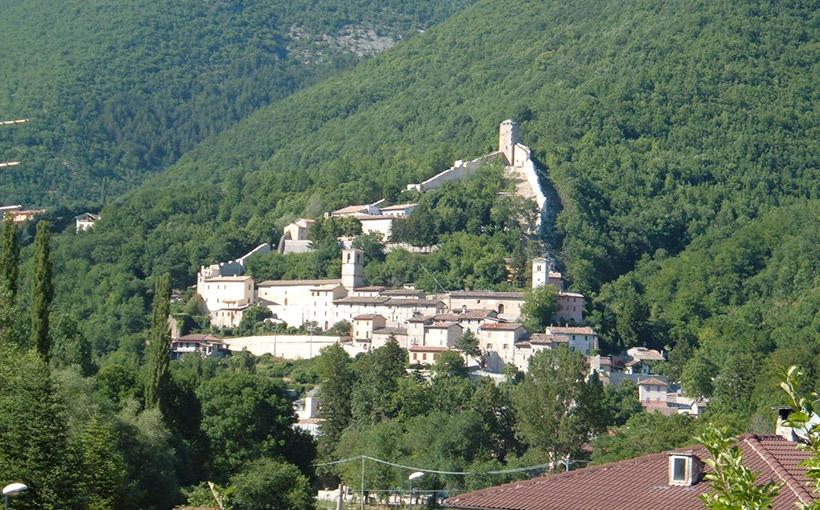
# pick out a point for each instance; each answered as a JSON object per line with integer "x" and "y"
{"x": 656, "y": 123}
{"x": 118, "y": 91}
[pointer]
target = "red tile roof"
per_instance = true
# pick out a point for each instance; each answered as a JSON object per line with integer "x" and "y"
{"x": 428, "y": 348}
{"x": 503, "y": 326}
{"x": 368, "y": 317}
{"x": 571, "y": 330}
{"x": 642, "y": 483}
{"x": 653, "y": 380}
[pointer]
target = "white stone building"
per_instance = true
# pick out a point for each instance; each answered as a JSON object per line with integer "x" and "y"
{"x": 498, "y": 343}
{"x": 363, "y": 326}
{"x": 85, "y": 221}
{"x": 398, "y": 210}
{"x": 382, "y": 225}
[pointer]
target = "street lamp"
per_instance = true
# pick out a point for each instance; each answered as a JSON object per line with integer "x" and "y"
{"x": 12, "y": 489}
{"x": 413, "y": 476}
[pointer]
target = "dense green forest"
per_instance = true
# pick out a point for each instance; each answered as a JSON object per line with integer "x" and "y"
{"x": 116, "y": 92}
{"x": 653, "y": 134}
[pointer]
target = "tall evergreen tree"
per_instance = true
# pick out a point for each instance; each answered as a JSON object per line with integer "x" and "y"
{"x": 42, "y": 290}
{"x": 336, "y": 371}
{"x": 159, "y": 344}
{"x": 10, "y": 257}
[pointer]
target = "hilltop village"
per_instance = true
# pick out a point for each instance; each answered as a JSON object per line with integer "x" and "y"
{"x": 424, "y": 324}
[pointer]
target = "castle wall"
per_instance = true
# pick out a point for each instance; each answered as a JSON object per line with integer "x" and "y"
{"x": 458, "y": 171}
{"x": 532, "y": 179}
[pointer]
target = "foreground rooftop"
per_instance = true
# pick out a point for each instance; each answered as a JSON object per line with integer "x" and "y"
{"x": 643, "y": 483}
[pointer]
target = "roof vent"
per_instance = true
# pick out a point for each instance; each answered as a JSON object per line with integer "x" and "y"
{"x": 685, "y": 469}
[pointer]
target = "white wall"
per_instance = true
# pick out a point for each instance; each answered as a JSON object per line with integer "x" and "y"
{"x": 381, "y": 226}
{"x": 282, "y": 346}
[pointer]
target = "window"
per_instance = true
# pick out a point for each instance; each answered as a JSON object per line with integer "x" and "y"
{"x": 678, "y": 469}
{"x": 489, "y": 347}
{"x": 424, "y": 356}
{"x": 501, "y": 308}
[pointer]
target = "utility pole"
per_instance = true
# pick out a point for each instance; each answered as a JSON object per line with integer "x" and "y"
{"x": 361, "y": 502}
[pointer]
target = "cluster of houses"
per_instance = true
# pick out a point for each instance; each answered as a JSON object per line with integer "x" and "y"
{"x": 19, "y": 214}
{"x": 424, "y": 324}
{"x": 427, "y": 325}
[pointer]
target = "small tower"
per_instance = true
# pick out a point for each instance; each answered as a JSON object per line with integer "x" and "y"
{"x": 543, "y": 273}
{"x": 352, "y": 268}
{"x": 540, "y": 272}
{"x": 508, "y": 136}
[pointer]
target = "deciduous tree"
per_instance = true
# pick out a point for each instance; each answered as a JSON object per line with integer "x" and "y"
{"x": 540, "y": 304}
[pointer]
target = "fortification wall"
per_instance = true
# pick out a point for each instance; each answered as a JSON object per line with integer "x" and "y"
{"x": 232, "y": 267}
{"x": 262, "y": 249}
{"x": 458, "y": 171}
{"x": 531, "y": 173}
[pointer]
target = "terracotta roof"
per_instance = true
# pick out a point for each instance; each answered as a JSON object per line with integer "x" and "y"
{"x": 421, "y": 318}
{"x": 197, "y": 337}
{"x": 469, "y": 294}
{"x": 659, "y": 407}
{"x": 642, "y": 353}
{"x": 428, "y": 348}
{"x": 502, "y": 326}
{"x": 643, "y": 483}
{"x": 326, "y": 288}
{"x": 544, "y": 338}
{"x": 228, "y": 279}
{"x": 403, "y": 292}
{"x": 449, "y": 317}
{"x": 360, "y": 300}
{"x": 414, "y": 302}
{"x": 351, "y": 209}
{"x": 477, "y": 314}
{"x": 443, "y": 325}
{"x": 296, "y": 283}
{"x": 398, "y": 207}
{"x": 369, "y": 288}
{"x": 653, "y": 380}
{"x": 390, "y": 331}
{"x": 368, "y": 317}
{"x": 569, "y": 330}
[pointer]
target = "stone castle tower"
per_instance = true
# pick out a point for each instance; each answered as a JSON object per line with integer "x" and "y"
{"x": 352, "y": 268}
{"x": 508, "y": 136}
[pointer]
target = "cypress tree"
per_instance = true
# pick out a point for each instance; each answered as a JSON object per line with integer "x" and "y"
{"x": 42, "y": 290}
{"x": 10, "y": 257}
{"x": 159, "y": 344}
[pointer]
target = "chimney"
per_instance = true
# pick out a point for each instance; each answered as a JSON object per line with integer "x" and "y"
{"x": 685, "y": 469}
{"x": 782, "y": 430}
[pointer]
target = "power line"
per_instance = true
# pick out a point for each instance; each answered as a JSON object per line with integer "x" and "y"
{"x": 433, "y": 471}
